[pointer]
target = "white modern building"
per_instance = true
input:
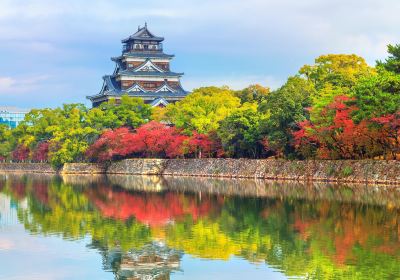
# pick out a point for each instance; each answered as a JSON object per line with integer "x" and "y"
{"x": 12, "y": 116}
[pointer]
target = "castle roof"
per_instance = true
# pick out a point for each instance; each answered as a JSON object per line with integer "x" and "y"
{"x": 112, "y": 88}
{"x": 143, "y": 55}
{"x": 159, "y": 101}
{"x": 143, "y": 34}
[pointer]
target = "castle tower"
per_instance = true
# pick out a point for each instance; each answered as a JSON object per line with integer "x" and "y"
{"x": 143, "y": 70}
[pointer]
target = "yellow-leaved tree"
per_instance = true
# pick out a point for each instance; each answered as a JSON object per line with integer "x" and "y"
{"x": 203, "y": 109}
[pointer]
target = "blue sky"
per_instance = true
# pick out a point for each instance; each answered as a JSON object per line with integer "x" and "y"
{"x": 54, "y": 52}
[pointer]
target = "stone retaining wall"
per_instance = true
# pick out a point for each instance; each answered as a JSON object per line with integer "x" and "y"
{"x": 376, "y": 172}
{"x": 26, "y": 167}
{"x": 83, "y": 168}
{"x": 138, "y": 166}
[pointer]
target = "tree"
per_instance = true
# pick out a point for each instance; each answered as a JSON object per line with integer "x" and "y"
{"x": 72, "y": 136}
{"x": 377, "y": 95}
{"x": 389, "y": 134}
{"x": 21, "y": 153}
{"x": 38, "y": 126}
{"x": 253, "y": 93}
{"x": 285, "y": 107}
{"x": 341, "y": 138}
{"x": 203, "y": 109}
{"x": 334, "y": 75}
{"x": 201, "y": 145}
{"x": 392, "y": 63}
{"x": 6, "y": 141}
{"x": 158, "y": 114}
{"x": 156, "y": 139}
{"x": 149, "y": 140}
{"x": 304, "y": 141}
{"x": 112, "y": 144}
{"x": 130, "y": 111}
{"x": 338, "y": 70}
{"x": 41, "y": 152}
{"x": 240, "y": 132}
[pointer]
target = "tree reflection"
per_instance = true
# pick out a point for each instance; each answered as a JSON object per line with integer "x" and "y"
{"x": 153, "y": 209}
{"x": 299, "y": 233}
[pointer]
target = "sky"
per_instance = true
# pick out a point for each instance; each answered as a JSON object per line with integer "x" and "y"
{"x": 55, "y": 52}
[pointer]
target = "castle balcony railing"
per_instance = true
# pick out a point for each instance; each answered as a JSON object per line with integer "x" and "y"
{"x": 146, "y": 48}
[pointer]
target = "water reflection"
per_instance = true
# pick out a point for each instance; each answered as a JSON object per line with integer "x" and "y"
{"x": 142, "y": 226}
{"x": 152, "y": 261}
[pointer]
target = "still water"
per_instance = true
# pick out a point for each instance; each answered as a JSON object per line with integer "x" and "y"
{"x": 127, "y": 227}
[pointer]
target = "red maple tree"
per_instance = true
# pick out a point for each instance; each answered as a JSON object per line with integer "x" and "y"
{"x": 21, "y": 153}
{"x": 201, "y": 145}
{"x": 40, "y": 154}
{"x": 389, "y": 130}
{"x": 111, "y": 144}
{"x": 338, "y": 136}
{"x": 153, "y": 139}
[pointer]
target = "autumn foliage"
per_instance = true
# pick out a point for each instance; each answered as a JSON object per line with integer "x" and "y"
{"x": 153, "y": 139}
{"x": 338, "y": 136}
{"x": 21, "y": 153}
{"x": 41, "y": 153}
{"x": 389, "y": 128}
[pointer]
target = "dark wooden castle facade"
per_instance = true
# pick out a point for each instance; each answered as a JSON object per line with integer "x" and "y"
{"x": 142, "y": 70}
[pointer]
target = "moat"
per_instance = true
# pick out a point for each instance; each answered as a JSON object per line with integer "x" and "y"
{"x": 138, "y": 227}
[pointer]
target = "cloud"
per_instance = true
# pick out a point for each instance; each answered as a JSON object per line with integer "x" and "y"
{"x": 6, "y": 83}
{"x": 21, "y": 84}
{"x": 261, "y": 41}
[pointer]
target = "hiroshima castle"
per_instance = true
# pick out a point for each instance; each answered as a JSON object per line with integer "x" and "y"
{"x": 142, "y": 70}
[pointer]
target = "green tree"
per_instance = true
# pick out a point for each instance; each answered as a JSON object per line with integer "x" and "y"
{"x": 338, "y": 70}
{"x": 253, "y": 93}
{"x": 377, "y": 95}
{"x": 240, "y": 132}
{"x": 72, "y": 136}
{"x": 334, "y": 75}
{"x": 392, "y": 63}
{"x": 286, "y": 107}
{"x": 203, "y": 109}
{"x": 6, "y": 141}
{"x": 130, "y": 111}
{"x": 37, "y": 126}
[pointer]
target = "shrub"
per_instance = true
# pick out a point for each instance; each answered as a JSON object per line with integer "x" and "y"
{"x": 347, "y": 171}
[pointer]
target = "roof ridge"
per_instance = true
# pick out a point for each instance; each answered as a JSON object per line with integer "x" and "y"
{"x": 139, "y": 34}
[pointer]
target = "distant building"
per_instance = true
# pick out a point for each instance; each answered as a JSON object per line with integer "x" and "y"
{"x": 143, "y": 70}
{"x": 12, "y": 116}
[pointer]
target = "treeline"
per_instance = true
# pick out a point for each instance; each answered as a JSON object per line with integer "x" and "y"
{"x": 337, "y": 108}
